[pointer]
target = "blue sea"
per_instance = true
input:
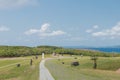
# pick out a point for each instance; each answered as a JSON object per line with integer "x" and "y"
{"x": 102, "y": 49}
{"x": 117, "y": 50}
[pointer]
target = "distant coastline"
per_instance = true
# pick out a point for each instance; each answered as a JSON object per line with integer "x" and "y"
{"x": 102, "y": 49}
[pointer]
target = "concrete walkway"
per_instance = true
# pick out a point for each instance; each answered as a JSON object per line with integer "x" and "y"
{"x": 44, "y": 73}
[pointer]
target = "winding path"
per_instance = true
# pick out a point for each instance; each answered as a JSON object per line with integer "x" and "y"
{"x": 44, "y": 73}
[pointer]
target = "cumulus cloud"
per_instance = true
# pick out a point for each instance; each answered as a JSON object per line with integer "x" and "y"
{"x": 3, "y": 29}
{"x": 44, "y": 27}
{"x": 44, "y": 31}
{"x": 112, "y": 32}
{"x": 53, "y": 33}
{"x": 16, "y": 3}
{"x": 92, "y": 29}
{"x": 31, "y": 31}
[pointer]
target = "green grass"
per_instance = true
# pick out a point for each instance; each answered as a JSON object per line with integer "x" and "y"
{"x": 105, "y": 70}
{"x": 8, "y": 62}
{"x": 9, "y": 70}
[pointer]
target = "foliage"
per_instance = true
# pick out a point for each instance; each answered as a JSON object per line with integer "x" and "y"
{"x": 17, "y": 51}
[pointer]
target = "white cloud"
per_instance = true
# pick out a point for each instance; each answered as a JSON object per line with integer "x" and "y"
{"x": 112, "y": 32}
{"x": 31, "y": 31}
{"x": 44, "y": 31}
{"x": 92, "y": 29}
{"x": 44, "y": 27}
{"x": 3, "y": 29}
{"x": 16, "y": 3}
{"x": 99, "y": 34}
{"x": 53, "y": 33}
{"x": 59, "y": 32}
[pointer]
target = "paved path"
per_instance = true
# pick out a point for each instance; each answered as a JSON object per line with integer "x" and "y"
{"x": 44, "y": 73}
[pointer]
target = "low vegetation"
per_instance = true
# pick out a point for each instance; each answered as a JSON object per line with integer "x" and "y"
{"x": 18, "y": 51}
{"x": 61, "y": 69}
{"x": 106, "y": 68}
{"x": 10, "y": 71}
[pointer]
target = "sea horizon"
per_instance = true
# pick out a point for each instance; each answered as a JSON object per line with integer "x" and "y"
{"x": 110, "y": 49}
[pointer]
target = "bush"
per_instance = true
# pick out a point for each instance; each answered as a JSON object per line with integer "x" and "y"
{"x": 75, "y": 63}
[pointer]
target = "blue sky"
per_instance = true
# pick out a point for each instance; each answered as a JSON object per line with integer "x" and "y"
{"x": 60, "y": 22}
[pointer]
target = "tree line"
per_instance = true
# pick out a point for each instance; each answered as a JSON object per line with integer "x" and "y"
{"x": 17, "y": 51}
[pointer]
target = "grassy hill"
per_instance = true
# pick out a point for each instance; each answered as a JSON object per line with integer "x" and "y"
{"x": 106, "y": 69}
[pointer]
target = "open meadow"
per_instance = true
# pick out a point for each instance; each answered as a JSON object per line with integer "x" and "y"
{"x": 60, "y": 68}
{"x": 106, "y": 68}
{"x": 10, "y": 71}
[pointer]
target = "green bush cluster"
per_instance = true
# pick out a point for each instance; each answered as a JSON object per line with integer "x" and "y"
{"x": 12, "y": 51}
{"x": 16, "y": 51}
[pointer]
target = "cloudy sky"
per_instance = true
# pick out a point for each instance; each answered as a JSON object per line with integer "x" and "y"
{"x": 60, "y": 22}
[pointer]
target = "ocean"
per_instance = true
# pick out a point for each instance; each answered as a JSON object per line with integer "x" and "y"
{"x": 116, "y": 50}
{"x": 102, "y": 49}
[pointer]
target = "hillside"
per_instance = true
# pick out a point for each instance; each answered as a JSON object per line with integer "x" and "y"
{"x": 17, "y": 51}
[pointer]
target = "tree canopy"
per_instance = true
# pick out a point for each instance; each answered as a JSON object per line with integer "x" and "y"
{"x": 17, "y": 51}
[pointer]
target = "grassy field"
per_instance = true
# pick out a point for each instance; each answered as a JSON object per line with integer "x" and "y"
{"x": 9, "y": 70}
{"x": 106, "y": 69}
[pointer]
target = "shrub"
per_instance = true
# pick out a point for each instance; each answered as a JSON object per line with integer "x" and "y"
{"x": 75, "y": 63}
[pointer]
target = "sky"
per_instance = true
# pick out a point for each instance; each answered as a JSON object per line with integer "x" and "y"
{"x": 60, "y": 22}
